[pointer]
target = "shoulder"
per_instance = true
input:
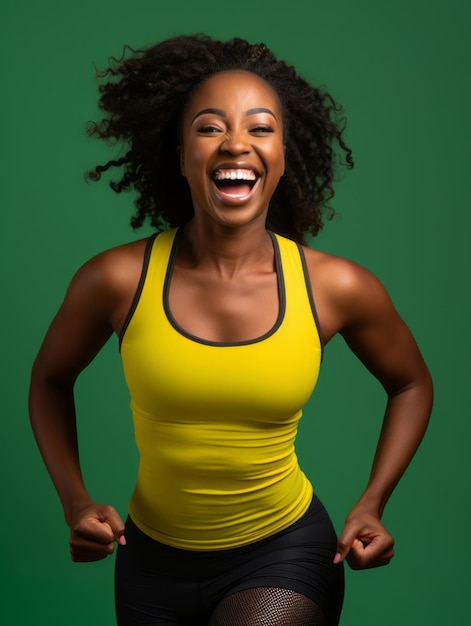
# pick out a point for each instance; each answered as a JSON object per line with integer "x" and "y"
{"x": 115, "y": 265}
{"x": 341, "y": 276}
{"x": 349, "y": 292}
{"x": 108, "y": 276}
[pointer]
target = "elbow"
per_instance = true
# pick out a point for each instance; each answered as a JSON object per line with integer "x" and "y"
{"x": 47, "y": 388}
{"x": 418, "y": 386}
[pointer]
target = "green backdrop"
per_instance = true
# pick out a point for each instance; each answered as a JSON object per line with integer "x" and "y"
{"x": 401, "y": 70}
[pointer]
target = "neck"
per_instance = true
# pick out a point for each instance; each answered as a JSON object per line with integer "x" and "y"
{"x": 227, "y": 251}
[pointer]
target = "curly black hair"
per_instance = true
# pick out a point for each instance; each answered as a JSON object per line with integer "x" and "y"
{"x": 144, "y": 97}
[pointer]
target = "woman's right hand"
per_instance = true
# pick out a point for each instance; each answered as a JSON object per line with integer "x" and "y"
{"x": 94, "y": 531}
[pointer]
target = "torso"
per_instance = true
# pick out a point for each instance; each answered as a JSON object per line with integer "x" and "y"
{"x": 208, "y": 401}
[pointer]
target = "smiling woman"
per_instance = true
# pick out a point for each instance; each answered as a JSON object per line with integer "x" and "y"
{"x": 222, "y": 317}
{"x": 144, "y": 103}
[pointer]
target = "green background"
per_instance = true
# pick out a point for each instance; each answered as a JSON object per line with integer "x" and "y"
{"x": 402, "y": 70}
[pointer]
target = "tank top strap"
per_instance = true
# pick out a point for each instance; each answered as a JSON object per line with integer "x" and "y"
{"x": 297, "y": 282}
{"x": 154, "y": 267}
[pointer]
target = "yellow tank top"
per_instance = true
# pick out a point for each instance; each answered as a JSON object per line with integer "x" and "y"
{"x": 215, "y": 424}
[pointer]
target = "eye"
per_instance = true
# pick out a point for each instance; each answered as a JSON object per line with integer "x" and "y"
{"x": 262, "y": 129}
{"x": 208, "y": 129}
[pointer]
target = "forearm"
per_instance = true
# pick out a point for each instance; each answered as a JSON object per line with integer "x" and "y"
{"x": 52, "y": 415}
{"x": 405, "y": 421}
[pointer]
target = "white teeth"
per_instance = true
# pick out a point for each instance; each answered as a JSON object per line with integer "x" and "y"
{"x": 234, "y": 175}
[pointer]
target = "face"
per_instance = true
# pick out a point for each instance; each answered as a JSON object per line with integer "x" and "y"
{"x": 232, "y": 151}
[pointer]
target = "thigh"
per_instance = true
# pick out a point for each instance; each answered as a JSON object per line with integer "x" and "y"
{"x": 296, "y": 565}
{"x": 151, "y": 585}
{"x": 268, "y": 606}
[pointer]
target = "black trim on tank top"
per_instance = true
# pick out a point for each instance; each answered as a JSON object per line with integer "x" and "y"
{"x": 224, "y": 344}
{"x": 140, "y": 286}
{"x": 311, "y": 296}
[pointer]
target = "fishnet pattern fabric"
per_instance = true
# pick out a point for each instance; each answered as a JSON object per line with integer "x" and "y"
{"x": 267, "y": 606}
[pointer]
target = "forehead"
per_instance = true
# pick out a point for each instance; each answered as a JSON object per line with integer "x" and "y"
{"x": 234, "y": 88}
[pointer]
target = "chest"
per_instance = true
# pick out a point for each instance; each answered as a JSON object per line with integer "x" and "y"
{"x": 196, "y": 345}
{"x": 224, "y": 310}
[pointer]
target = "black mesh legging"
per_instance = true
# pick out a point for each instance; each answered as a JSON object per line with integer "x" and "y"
{"x": 268, "y": 606}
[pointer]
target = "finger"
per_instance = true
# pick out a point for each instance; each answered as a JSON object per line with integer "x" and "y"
{"x": 116, "y": 523}
{"x": 356, "y": 556}
{"x": 345, "y": 542}
{"x": 94, "y": 530}
{"x": 86, "y": 550}
{"x": 87, "y": 556}
{"x": 373, "y": 553}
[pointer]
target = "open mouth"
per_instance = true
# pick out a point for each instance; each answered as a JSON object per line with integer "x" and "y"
{"x": 235, "y": 183}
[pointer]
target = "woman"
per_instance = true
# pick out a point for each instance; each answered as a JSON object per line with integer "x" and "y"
{"x": 222, "y": 318}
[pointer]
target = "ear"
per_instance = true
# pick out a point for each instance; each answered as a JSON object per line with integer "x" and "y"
{"x": 182, "y": 163}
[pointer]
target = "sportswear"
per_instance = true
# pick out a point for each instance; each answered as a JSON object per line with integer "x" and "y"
{"x": 215, "y": 423}
{"x": 152, "y": 578}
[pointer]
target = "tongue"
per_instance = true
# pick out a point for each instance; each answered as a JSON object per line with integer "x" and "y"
{"x": 236, "y": 189}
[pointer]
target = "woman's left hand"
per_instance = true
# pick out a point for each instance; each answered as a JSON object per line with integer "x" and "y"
{"x": 364, "y": 541}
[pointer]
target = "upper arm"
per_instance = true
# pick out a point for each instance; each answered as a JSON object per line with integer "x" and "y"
{"x": 81, "y": 326}
{"x": 354, "y": 303}
{"x": 377, "y": 334}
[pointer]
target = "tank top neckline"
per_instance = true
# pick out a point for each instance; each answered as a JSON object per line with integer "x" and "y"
{"x": 224, "y": 344}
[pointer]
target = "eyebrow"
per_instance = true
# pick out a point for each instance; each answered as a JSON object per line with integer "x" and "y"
{"x": 222, "y": 113}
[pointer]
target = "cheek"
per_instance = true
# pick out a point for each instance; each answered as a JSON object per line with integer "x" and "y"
{"x": 193, "y": 168}
{"x": 278, "y": 160}
{"x": 193, "y": 159}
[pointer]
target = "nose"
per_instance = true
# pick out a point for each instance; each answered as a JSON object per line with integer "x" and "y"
{"x": 235, "y": 142}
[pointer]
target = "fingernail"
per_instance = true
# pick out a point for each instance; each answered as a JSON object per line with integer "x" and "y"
{"x": 337, "y": 558}
{"x": 122, "y": 540}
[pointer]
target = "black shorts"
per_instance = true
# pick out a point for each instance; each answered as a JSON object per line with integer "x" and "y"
{"x": 159, "y": 584}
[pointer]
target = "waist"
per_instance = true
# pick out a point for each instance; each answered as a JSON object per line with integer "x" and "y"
{"x": 204, "y": 518}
